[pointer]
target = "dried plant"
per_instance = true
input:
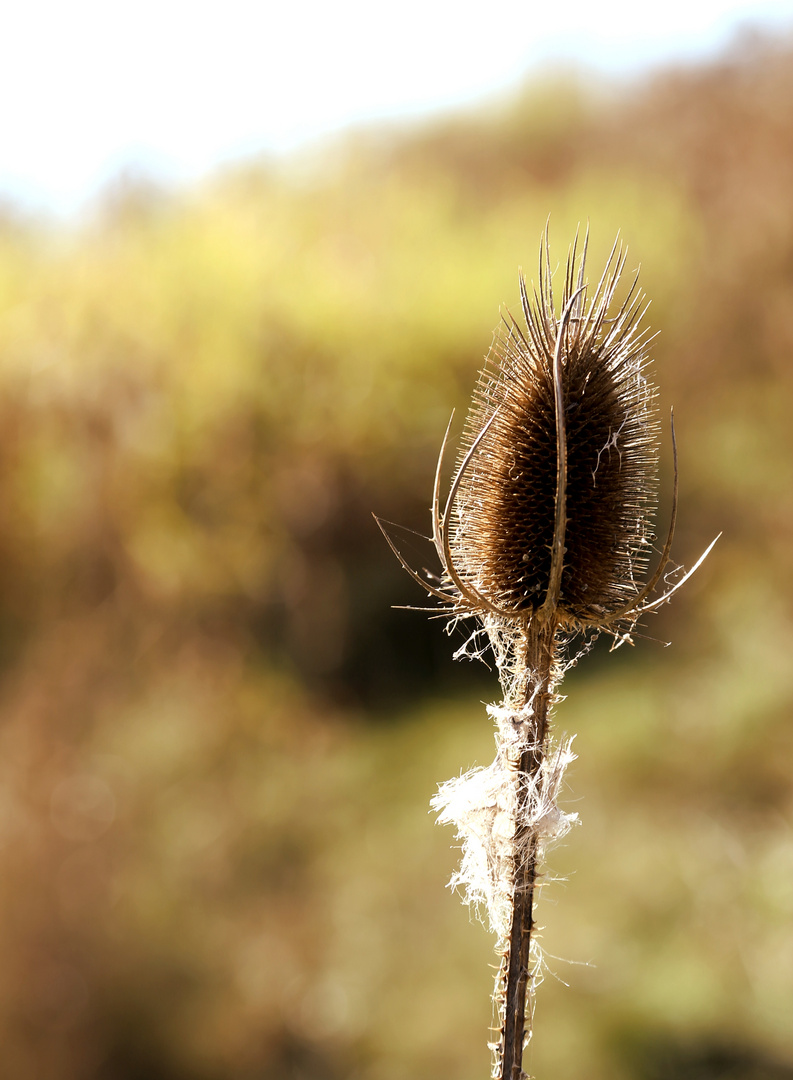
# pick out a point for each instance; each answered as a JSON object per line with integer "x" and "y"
{"x": 545, "y": 536}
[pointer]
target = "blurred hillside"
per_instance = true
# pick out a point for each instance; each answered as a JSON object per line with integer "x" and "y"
{"x": 218, "y": 739}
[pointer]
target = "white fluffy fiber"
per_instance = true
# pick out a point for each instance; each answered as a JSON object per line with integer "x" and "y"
{"x": 483, "y": 806}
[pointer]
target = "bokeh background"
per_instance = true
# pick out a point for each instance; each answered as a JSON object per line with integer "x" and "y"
{"x": 218, "y": 740}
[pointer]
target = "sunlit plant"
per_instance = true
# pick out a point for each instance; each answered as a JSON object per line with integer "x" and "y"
{"x": 545, "y": 538}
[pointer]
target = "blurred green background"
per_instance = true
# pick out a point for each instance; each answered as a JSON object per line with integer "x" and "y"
{"x": 218, "y": 740}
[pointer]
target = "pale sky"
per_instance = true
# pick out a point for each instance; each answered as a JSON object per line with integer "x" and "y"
{"x": 173, "y": 88}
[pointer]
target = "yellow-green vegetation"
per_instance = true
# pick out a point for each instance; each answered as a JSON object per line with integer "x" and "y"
{"x": 219, "y": 742}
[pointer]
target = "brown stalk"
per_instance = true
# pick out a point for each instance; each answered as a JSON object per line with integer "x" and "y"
{"x": 516, "y": 973}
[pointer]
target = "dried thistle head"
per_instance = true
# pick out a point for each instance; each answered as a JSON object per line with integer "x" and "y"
{"x": 570, "y": 391}
{"x": 550, "y": 513}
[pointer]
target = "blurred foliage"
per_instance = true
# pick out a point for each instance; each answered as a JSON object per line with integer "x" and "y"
{"x": 218, "y": 740}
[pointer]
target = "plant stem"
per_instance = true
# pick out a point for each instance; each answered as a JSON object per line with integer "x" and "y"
{"x": 536, "y": 691}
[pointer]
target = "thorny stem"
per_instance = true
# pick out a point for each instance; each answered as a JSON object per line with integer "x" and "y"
{"x": 536, "y": 690}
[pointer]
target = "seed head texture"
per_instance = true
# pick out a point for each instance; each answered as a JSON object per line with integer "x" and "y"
{"x": 504, "y": 517}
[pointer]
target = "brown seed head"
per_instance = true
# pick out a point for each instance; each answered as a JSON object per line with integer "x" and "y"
{"x": 568, "y": 460}
{"x": 551, "y": 509}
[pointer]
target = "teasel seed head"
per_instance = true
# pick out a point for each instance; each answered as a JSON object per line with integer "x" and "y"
{"x": 550, "y": 512}
{"x": 589, "y": 366}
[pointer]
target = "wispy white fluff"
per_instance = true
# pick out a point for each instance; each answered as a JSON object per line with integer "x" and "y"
{"x": 483, "y": 805}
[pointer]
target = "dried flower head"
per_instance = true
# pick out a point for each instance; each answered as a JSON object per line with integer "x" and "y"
{"x": 504, "y": 516}
{"x": 552, "y": 505}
